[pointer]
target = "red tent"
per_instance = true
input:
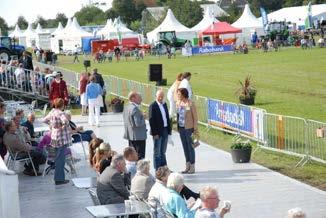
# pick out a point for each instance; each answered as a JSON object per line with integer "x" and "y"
{"x": 220, "y": 28}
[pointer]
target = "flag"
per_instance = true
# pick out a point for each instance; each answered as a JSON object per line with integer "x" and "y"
{"x": 308, "y": 20}
{"x": 264, "y": 17}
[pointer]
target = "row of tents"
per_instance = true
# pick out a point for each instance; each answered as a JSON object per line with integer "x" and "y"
{"x": 71, "y": 35}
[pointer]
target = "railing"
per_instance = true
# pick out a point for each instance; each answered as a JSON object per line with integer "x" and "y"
{"x": 292, "y": 135}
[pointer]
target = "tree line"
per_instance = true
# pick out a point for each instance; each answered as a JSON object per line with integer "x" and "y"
{"x": 133, "y": 14}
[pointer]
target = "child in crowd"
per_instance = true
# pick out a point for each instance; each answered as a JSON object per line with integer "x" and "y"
{"x": 131, "y": 158}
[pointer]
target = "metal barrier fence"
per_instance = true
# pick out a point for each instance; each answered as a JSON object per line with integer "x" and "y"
{"x": 292, "y": 135}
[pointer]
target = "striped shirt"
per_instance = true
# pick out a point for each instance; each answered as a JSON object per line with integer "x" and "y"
{"x": 60, "y": 129}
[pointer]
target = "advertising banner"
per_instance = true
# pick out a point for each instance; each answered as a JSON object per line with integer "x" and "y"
{"x": 211, "y": 49}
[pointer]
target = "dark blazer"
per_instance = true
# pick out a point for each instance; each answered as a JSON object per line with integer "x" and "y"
{"x": 27, "y": 62}
{"x": 111, "y": 187}
{"x": 156, "y": 120}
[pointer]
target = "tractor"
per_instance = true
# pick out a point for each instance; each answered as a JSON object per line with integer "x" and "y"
{"x": 170, "y": 38}
{"x": 9, "y": 49}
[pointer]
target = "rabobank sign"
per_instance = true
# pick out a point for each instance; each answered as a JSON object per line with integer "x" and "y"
{"x": 230, "y": 115}
{"x": 211, "y": 49}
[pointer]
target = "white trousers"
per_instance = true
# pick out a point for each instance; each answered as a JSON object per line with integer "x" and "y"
{"x": 93, "y": 112}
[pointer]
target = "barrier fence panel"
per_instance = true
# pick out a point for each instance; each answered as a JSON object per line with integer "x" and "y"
{"x": 316, "y": 132}
{"x": 286, "y": 133}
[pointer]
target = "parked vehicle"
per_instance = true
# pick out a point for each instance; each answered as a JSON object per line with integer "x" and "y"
{"x": 8, "y": 48}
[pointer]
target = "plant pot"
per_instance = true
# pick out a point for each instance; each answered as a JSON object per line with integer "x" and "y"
{"x": 241, "y": 155}
{"x": 247, "y": 101}
{"x": 117, "y": 108}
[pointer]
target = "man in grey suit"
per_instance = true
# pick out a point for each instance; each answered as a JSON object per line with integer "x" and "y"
{"x": 135, "y": 125}
{"x": 111, "y": 185}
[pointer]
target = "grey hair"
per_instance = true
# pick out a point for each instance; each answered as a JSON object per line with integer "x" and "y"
{"x": 175, "y": 181}
{"x": 143, "y": 165}
{"x": 116, "y": 159}
{"x": 31, "y": 114}
{"x": 159, "y": 92}
{"x": 296, "y": 213}
{"x": 206, "y": 192}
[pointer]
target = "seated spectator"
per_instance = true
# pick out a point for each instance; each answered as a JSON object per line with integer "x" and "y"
{"x": 21, "y": 131}
{"x": 29, "y": 124}
{"x": 143, "y": 181}
{"x": 209, "y": 202}
{"x": 296, "y": 213}
{"x": 157, "y": 191}
{"x": 95, "y": 143}
{"x": 173, "y": 201}
{"x": 21, "y": 115}
{"x": 17, "y": 145}
{"x": 103, "y": 157}
{"x": 131, "y": 158}
{"x": 111, "y": 185}
{"x": 86, "y": 135}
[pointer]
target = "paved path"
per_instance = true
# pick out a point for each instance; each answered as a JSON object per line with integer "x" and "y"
{"x": 255, "y": 192}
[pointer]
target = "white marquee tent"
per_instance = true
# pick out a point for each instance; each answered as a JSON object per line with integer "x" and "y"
{"x": 115, "y": 29}
{"x": 58, "y": 30}
{"x": 55, "y": 44}
{"x": 207, "y": 20}
{"x": 170, "y": 23}
{"x": 29, "y": 37}
{"x": 249, "y": 24}
{"x": 16, "y": 33}
{"x": 298, "y": 14}
{"x": 72, "y": 35}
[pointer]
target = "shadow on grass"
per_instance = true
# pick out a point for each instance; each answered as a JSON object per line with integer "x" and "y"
{"x": 267, "y": 103}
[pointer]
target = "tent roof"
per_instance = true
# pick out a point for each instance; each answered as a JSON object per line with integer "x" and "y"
{"x": 58, "y": 30}
{"x": 29, "y": 32}
{"x": 118, "y": 25}
{"x": 247, "y": 19}
{"x": 215, "y": 9}
{"x": 107, "y": 28}
{"x": 207, "y": 20}
{"x": 220, "y": 28}
{"x": 39, "y": 29}
{"x": 16, "y": 33}
{"x": 170, "y": 23}
{"x": 73, "y": 29}
{"x": 296, "y": 14}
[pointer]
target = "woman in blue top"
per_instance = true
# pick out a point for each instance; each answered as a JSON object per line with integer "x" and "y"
{"x": 95, "y": 101}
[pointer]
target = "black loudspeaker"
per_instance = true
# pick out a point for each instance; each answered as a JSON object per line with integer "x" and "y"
{"x": 87, "y": 63}
{"x": 155, "y": 72}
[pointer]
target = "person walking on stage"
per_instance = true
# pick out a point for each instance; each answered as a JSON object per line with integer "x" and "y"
{"x": 159, "y": 121}
{"x": 135, "y": 125}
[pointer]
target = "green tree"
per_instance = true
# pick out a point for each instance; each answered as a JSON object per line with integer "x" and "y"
{"x": 111, "y": 14}
{"x": 136, "y": 26}
{"x": 90, "y": 15}
{"x": 22, "y": 23}
{"x": 187, "y": 12}
{"x": 3, "y": 27}
{"x": 41, "y": 21}
{"x": 61, "y": 17}
{"x": 126, "y": 9}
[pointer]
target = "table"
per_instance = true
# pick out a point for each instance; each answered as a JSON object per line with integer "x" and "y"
{"x": 87, "y": 182}
{"x": 40, "y": 127}
{"x": 137, "y": 207}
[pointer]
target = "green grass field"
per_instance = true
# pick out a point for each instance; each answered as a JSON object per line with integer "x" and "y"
{"x": 290, "y": 82}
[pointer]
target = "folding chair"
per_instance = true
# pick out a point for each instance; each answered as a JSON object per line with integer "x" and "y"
{"x": 81, "y": 142}
{"x": 13, "y": 158}
{"x": 93, "y": 194}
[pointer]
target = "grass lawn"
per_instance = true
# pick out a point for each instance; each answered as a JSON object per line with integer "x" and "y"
{"x": 290, "y": 82}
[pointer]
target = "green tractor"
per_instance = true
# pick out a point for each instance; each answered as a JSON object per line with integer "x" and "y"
{"x": 278, "y": 30}
{"x": 170, "y": 38}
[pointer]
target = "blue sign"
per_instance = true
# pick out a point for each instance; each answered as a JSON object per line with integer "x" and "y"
{"x": 229, "y": 115}
{"x": 211, "y": 49}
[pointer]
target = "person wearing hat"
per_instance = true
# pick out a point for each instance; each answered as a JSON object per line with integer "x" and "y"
{"x": 58, "y": 89}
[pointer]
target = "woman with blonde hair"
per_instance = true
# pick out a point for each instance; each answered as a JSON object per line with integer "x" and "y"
{"x": 94, "y": 143}
{"x": 103, "y": 156}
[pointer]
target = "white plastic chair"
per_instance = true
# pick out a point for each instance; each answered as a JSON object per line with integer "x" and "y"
{"x": 13, "y": 158}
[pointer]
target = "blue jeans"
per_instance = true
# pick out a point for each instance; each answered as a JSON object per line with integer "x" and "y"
{"x": 86, "y": 136}
{"x": 160, "y": 145}
{"x": 60, "y": 161}
{"x": 189, "y": 151}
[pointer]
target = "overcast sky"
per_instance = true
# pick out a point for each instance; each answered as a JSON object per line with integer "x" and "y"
{"x": 10, "y": 10}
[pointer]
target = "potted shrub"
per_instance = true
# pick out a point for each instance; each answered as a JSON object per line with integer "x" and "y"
{"x": 241, "y": 150}
{"x": 117, "y": 105}
{"x": 247, "y": 92}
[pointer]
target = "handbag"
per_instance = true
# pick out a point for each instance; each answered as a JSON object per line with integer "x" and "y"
{"x": 99, "y": 100}
{"x": 195, "y": 140}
